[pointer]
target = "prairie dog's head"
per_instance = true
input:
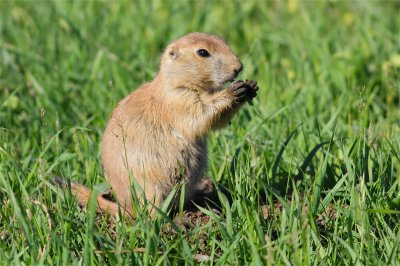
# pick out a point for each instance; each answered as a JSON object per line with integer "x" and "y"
{"x": 200, "y": 61}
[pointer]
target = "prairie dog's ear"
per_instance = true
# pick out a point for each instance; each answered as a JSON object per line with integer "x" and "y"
{"x": 173, "y": 52}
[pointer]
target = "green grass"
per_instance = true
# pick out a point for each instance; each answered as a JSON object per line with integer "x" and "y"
{"x": 324, "y": 131}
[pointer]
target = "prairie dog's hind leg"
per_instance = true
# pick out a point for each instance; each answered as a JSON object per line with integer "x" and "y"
{"x": 204, "y": 186}
{"x": 205, "y": 194}
{"x": 154, "y": 198}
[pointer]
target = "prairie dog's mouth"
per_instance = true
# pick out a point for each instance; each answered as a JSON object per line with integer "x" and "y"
{"x": 231, "y": 78}
{"x": 227, "y": 83}
{"x": 222, "y": 85}
{"x": 222, "y": 82}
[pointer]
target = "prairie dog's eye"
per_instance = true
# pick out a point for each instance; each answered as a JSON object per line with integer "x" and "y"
{"x": 203, "y": 53}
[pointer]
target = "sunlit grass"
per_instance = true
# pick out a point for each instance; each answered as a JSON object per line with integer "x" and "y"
{"x": 321, "y": 144}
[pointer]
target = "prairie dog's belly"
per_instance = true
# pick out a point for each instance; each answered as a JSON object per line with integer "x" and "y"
{"x": 158, "y": 158}
{"x": 167, "y": 159}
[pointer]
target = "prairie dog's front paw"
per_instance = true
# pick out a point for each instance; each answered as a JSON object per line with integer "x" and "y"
{"x": 238, "y": 90}
{"x": 252, "y": 89}
{"x": 243, "y": 90}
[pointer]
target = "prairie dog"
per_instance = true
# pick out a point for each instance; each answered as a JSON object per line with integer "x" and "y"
{"x": 157, "y": 134}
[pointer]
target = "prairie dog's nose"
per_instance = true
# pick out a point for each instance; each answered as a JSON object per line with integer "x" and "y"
{"x": 237, "y": 70}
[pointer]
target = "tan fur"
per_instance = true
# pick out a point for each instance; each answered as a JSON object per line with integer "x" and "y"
{"x": 83, "y": 195}
{"x": 157, "y": 134}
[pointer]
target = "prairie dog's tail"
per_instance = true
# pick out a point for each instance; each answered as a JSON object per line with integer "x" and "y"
{"x": 82, "y": 195}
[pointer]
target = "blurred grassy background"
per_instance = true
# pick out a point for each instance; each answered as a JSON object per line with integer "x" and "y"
{"x": 332, "y": 67}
